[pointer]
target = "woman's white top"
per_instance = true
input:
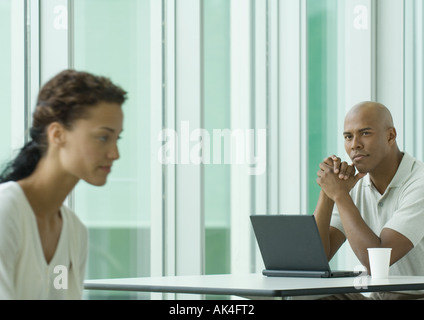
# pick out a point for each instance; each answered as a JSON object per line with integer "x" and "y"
{"x": 24, "y": 271}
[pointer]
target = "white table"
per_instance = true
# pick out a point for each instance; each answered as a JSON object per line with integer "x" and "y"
{"x": 257, "y": 285}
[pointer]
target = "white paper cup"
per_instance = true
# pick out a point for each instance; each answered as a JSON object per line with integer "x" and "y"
{"x": 379, "y": 262}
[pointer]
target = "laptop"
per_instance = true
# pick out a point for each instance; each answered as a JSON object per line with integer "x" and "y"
{"x": 291, "y": 246}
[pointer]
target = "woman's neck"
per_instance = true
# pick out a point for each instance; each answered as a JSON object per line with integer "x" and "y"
{"x": 47, "y": 188}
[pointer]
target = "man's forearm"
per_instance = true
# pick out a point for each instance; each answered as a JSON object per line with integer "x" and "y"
{"x": 358, "y": 233}
{"x": 323, "y": 212}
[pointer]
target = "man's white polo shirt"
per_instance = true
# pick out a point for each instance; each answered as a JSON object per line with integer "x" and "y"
{"x": 400, "y": 208}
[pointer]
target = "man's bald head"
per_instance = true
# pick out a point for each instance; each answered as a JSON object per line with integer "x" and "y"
{"x": 370, "y": 137}
{"x": 374, "y": 111}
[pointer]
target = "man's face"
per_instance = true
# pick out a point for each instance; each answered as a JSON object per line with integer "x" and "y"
{"x": 366, "y": 139}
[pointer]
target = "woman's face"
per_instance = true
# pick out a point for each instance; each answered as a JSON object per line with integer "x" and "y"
{"x": 90, "y": 147}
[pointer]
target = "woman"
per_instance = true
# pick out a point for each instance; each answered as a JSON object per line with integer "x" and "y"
{"x": 43, "y": 245}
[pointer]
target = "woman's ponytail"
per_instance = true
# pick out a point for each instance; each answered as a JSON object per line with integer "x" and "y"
{"x": 24, "y": 164}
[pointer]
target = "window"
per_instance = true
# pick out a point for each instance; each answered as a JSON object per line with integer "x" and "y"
{"x": 13, "y": 75}
{"x": 323, "y": 89}
{"x": 112, "y": 39}
{"x": 5, "y": 76}
{"x": 414, "y": 76}
{"x": 288, "y": 69}
{"x": 216, "y": 15}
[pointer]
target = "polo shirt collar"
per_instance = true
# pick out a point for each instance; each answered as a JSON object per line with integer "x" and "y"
{"x": 402, "y": 173}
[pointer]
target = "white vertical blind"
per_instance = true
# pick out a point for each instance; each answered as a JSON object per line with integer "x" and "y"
{"x": 17, "y": 74}
{"x": 157, "y": 83}
{"x": 414, "y": 78}
{"x": 189, "y": 220}
{"x": 54, "y": 39}
{"x": 390, "y": 52}
{"x": 241, "y": 105}
{"x": 260, "y": 120}
{"x": 292, "y": 117}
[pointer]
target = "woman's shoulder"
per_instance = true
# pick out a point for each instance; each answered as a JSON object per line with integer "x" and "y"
{"x": 12, "y": 198}
{"x": 12, "y": 209}
{"x": 9, "y": 189}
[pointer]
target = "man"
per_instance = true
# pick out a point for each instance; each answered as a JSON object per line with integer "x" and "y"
{"x": 380, "y": 206}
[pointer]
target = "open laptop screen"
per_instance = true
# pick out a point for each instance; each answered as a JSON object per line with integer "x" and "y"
{"x": 290, "y": 242}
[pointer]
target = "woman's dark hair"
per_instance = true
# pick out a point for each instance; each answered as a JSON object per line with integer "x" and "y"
{"x": 63, "y": 99}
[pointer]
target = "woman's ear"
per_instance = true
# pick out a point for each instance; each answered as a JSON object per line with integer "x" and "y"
{"x": 56, "y": 134}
